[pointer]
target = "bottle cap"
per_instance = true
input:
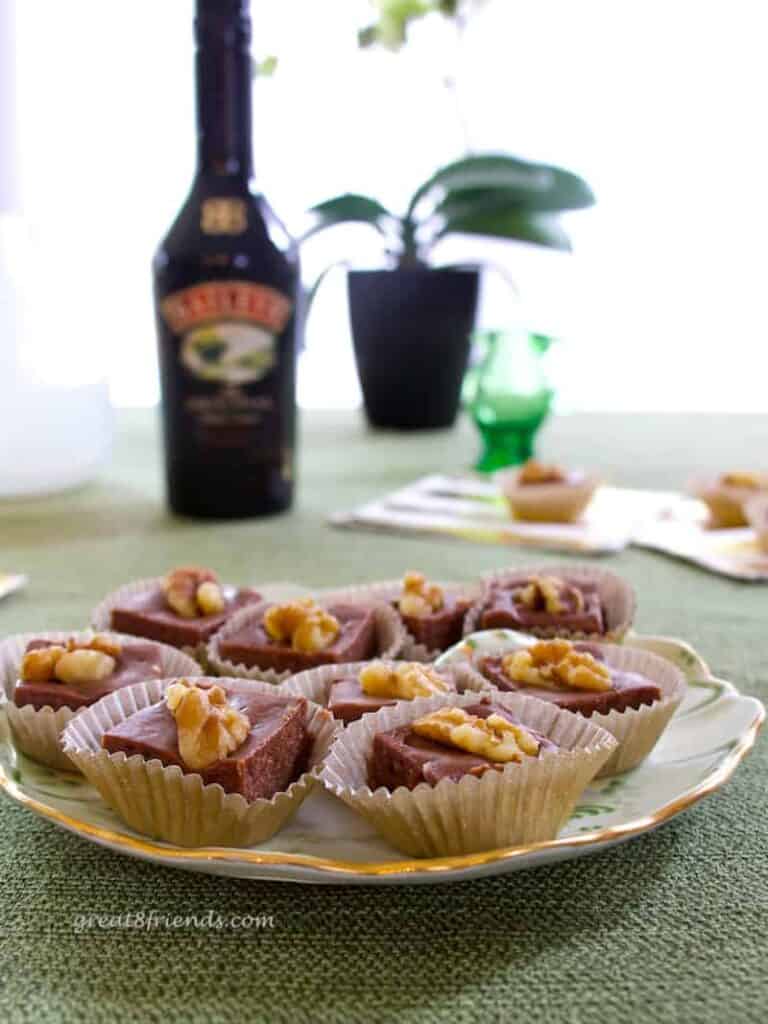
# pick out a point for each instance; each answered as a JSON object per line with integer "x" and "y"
{"x": 223, "y": 8}
{"x": 227, "y": 21}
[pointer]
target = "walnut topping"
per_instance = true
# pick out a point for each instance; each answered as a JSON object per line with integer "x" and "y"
{"x": 401, "y": 682}
{"x": 208, "y": 727}
{"x": 419, "y": 598}
{"x": 38, "y": 665}
{"x": 193, "y": 592}
{"x": 84, "y": 666}
{"x": 556, "y": 665}
{"x": 493, "y": 737}
{"x": 546, "y": 593}
{"x": 74, "y": 662}
{"x": 750, "y": 481}
{"x": 305, "y": 625}
{"x": 100, "y": 642}
{"x": 533, "y": 472}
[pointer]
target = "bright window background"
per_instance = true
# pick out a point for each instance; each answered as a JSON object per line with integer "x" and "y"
{"x": 660, "y": 105}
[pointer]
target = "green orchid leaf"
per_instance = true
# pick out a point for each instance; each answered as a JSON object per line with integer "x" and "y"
{"x": 506, "y": 222}
{"x": 537, "y": 188}
{"x": 348, "y": 208}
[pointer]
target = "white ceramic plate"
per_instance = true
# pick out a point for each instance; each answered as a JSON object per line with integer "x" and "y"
{"x": 327, "y": 843}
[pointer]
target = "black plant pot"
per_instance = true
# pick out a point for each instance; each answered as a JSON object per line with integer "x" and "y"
{"x": 411, "y": 330}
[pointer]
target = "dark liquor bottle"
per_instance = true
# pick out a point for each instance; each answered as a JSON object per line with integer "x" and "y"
{"x": 226, "y": 286}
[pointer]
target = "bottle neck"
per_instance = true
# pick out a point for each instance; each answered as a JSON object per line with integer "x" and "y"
{"x": 223, "y": 72}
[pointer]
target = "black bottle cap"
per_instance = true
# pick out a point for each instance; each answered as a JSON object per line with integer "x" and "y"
{"x": 223, "y": 8}
{"x": 227, "y": 21}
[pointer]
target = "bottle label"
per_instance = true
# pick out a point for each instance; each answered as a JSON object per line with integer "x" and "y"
{"x": 223, "y": 215}
{"x": 227, "y": 329}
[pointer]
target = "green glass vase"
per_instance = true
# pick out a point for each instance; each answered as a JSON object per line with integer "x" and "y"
{"x": 507, "y": 395}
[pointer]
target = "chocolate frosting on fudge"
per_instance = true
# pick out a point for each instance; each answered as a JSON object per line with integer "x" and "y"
{"x": 502, "y": 611}
{"x": 136, "y": 662}
{"x": 441, "y": 629}
{"x": 252, "y": 646}
{"x": 273, "y": 755}
{"x": 147, "y": 614}
{"x": 401, "y": 757}
{"x": 628, "y": 690}
{"x": 347, "y": 700}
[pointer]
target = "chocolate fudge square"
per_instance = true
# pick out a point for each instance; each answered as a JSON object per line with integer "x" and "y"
{"x": 273, "y": 755}
{"x": 628, "y": 690}
{"x": 148, "y": 614}
{"x": 137, "y": 662}
{"x": 401, "y": 757}
{"x": 438, "y": 630}
{"x": 502, "y": 611}
{"x": 348, "y": 702}
{"x": 251, "y": 645}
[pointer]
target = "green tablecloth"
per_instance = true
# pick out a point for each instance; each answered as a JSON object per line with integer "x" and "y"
{"x": 670, "y": 927}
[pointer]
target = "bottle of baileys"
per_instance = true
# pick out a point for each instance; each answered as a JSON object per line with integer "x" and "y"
{"x": 226, "y": 286}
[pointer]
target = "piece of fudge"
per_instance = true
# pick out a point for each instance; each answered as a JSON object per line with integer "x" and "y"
{"x": 273, "y": 754}
{"x": 432, "y": 617}
{"x": 349, "y": 700}
{"x": 524, "y": 603}
{"x": 135, "y": 662}
{"x": 438, "y": 630}
{"x": 575, "y": 677}
{"x": 401, "y": 757}
{"x": 628, "y": 690}
{"x": 148, "y": 614}
{"x": 251, "y": 645}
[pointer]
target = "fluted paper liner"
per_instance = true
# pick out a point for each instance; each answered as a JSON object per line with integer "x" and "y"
{"x": 547, "y": 502}
{"x": 166, "y": 803}
{"x": 389, "y": 591}
{"x": 315, "y": 683}
{"x": 637, "y": 730}
{"x": 37, "y": 732}
{"x": 757, "y": 514}
{"x": 390, "y": 637}
{"x": 524, "y": 803}
{"x": 101, "y": 616}
{"x": 726, "y": 502}
{"x": 616, "y": 596}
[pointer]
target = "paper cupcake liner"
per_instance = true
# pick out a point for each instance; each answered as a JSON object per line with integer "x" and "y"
{"x": 525, "y": 803}
{"x": 165, "y": 803}
{"x": 548, "y": 503}
{"x": 757, "y": 514}
{"x": 389, "y": 591}
{"x": 637, "y": 730}
{"x": 726, "y": 504}
{"x": 37, "y": 732}
{"x": 101, "y": 616}
{"x": 390, "y": 636}
{"x": 616, "y": 596}
{"x": 315, "y": 683}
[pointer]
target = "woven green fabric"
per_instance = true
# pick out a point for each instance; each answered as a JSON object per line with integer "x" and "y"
{"x": 667, "y": 928}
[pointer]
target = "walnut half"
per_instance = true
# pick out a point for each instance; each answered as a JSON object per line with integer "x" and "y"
{"x": 305, "y": 625}
{"x": 546, "y": 593}
{"x": 556, "y": 665}
{"x": 75, "y": 662}
{"x": 534, "y": 472}
{"x": 193, "y": 592}
{"x": 742, "y": 478}
{"x": 208, "y": 727}
{"x": 493, "y": 737}
{"x": 419, "y": 598}
{"x": 404, "y": 681}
